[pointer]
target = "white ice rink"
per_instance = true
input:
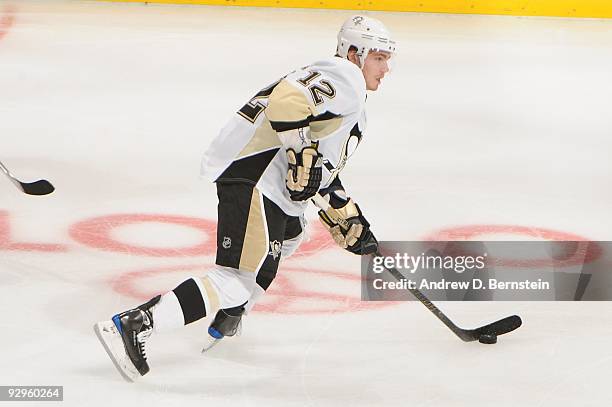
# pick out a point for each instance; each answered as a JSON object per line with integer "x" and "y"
{"x": 489, "y": 127}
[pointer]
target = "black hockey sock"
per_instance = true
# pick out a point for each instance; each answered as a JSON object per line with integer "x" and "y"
{"x": 190, "y": 298}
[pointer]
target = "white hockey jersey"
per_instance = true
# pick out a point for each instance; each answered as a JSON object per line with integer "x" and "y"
{"x": 327, "y": 96}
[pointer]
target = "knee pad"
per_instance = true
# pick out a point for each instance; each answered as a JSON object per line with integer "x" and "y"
{"x": 233, "y": 286}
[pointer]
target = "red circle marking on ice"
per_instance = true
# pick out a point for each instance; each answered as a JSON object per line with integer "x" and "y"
{"x": 573, "y": 255}
{"x": 96, "y": 233}
{"x": 470, "y": 231}
{"x": 319, "y": 239}
{"x": 7, "y": 20}
{"x": 7, "y": 244}
{"x": 286, "y": 292}
{"x": 283, "y": 289}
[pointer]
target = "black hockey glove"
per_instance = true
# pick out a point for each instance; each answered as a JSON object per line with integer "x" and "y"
{"x": 349, "y": 229}
{"x": 305, "y": 172}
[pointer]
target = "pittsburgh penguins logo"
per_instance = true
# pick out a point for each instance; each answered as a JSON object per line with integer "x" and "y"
{"x": 349, "y": 147}
{"x": 275, "y": 249}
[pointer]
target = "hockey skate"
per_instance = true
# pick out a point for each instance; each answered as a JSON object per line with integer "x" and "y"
{"x": 124, "y": 337}
{"x": 227, "y": 322}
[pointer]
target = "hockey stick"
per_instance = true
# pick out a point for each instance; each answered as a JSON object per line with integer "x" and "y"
{"x": 496, "y": 328}
{"x": 40, "y": 187}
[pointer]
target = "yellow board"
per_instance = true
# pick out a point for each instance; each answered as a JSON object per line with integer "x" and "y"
{"x": 560, "y": 8}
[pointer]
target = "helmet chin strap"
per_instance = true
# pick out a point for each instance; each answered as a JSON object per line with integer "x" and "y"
{"x": 360, "y": 60}
{"x": 362, "y": 57}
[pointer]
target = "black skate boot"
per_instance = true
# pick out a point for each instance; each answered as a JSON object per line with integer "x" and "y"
{"x": 124, "y": 339}
{"x": 227, "y": 322}
{"x": 135, "y": 327}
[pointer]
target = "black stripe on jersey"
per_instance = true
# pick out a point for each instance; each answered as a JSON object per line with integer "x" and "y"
{"x": 293, "y": 228}
{"x": 325, "y": 116}
{"x": 248, "y": 169}
{"x": 276, "y": 223}
{"x": 356, "y": 132}
{"x": 335, "y": 185}
{"x": 286, "y": 126}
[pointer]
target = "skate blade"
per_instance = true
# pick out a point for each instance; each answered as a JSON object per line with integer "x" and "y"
{"x": 211, "y": 344}
{"x": 110, "y": 338}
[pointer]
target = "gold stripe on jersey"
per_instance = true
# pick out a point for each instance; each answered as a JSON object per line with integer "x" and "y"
{"x": 255, "y": 245}
{"x": 263, "y": 139}
{"x": 321, "y": 129}
{"x": 288, "y": 104}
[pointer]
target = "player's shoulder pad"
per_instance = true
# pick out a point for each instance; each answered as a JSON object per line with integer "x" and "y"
{"x": 289, "y": 106}
{"x": 346, "y": 77}
{"x": 343, "y": 72}
{"x": 333, "y": 85}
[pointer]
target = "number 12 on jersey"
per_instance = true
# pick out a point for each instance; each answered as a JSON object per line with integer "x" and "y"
{"x": 319, "y": 89}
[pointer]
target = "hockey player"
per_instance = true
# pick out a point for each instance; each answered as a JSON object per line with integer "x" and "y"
{"x": 288, "y": 143}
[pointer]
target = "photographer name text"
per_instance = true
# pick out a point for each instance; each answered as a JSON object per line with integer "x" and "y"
{"x": 474, "y": 284}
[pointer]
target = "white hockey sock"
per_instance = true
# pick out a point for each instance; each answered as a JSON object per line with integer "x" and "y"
{"x": 167, "y": 314}
{"x": 185, "y": 304}
{"x": 195, "y": 298}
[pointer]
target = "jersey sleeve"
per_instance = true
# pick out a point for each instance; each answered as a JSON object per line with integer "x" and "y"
{"x": 289, "y": 107}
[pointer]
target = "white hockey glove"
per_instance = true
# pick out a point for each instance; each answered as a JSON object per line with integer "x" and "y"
{"x": 348, "y": 227}
{"x": 305, "y": 172}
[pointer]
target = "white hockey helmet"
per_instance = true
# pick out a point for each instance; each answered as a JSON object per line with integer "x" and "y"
{"x": 366, "y": 34}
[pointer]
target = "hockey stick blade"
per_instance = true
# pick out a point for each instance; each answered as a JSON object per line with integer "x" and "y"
{"x": 500, "y": 327}
{"x": 503, "y": 326}
{"x": 40, "y": 187}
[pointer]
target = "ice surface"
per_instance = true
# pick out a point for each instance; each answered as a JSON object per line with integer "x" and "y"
{"x": 484, "y": 121}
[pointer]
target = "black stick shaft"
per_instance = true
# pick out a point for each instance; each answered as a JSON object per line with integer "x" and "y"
{"x": 500, "y": 327}
{"x": 426, "y": 302}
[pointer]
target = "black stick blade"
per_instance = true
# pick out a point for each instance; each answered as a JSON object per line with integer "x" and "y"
{"x": 503, "y": 326}
{"x": 40, "y": 187}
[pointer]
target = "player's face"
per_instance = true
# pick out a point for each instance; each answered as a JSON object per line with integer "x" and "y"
{"x": 375, "y": 67}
